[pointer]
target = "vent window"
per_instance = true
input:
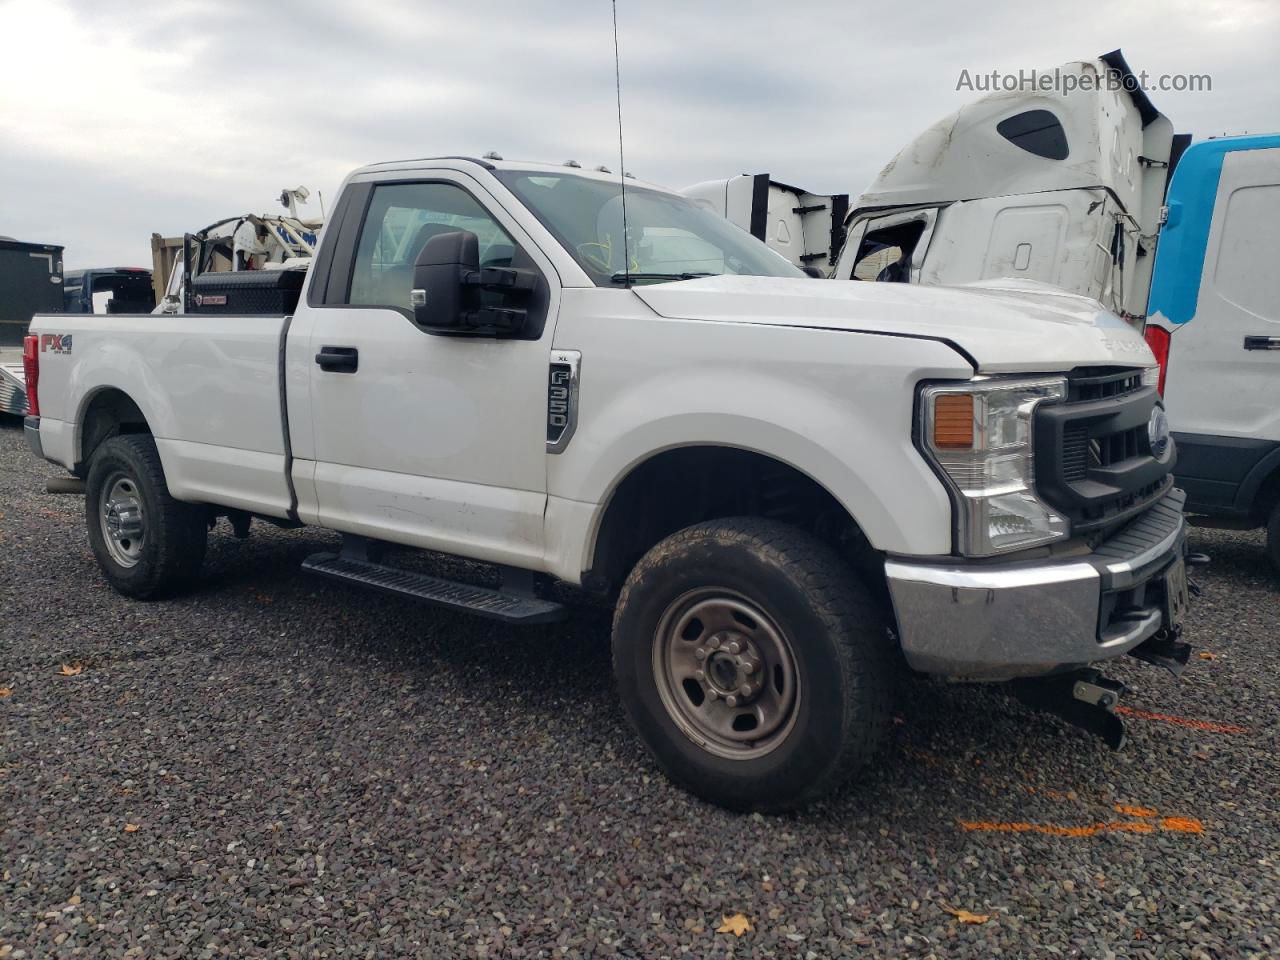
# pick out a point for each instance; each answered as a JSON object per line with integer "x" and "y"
{"x": 1036, "y": 131}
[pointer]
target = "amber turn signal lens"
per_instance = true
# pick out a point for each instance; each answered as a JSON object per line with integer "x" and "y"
{"x": 953, "y": 421}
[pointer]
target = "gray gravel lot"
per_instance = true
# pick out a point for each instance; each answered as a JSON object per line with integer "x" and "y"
{"x": 273, "y": 766}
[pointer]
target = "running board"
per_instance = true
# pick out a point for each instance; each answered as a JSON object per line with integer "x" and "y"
{"x": 483, "y": 601}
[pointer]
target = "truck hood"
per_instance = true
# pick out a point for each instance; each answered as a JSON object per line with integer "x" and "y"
{"x": 1004, "y": 326}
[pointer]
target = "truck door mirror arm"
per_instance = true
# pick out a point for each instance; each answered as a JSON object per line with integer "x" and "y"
{"x": 453, "y": 294}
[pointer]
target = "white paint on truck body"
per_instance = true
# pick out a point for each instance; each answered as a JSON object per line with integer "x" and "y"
{"x": 209, "y": 390}
{"x": 653, "y": 383}
{"x": 441, "y": 441}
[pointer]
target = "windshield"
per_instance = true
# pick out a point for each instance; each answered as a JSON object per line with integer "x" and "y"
{"x": 668, "y": 237}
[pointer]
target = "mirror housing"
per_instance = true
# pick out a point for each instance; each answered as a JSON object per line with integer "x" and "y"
{"x": 452, "y": 294}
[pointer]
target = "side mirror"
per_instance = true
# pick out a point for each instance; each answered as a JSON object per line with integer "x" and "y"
{"x": 452, "y": 295}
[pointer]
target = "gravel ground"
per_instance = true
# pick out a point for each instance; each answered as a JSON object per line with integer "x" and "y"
{"x": 272, "y": 766}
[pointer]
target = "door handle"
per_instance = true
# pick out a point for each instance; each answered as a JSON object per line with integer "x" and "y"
{"x": 338, "y": 359}
{"x": 1262, "y": 343}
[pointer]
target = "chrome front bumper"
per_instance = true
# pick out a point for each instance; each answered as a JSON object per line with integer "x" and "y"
{"x": 997, "y": 621}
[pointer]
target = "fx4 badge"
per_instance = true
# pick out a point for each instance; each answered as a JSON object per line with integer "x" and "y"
{"x": 55, "y": 343}
{"x": 562, "y": 398}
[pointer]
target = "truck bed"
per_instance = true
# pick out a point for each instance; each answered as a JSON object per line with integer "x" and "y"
{"x": 208, "y": 387}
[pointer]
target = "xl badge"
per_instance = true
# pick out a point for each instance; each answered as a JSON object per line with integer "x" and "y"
{"x": 1158, "y": 431}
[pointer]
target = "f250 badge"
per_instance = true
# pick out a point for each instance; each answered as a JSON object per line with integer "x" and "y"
{"x": 562, "y": 398}
{"x": 55, "y": 343}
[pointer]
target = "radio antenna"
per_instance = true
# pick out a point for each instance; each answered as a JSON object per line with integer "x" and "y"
{"x": 622, "y": 164}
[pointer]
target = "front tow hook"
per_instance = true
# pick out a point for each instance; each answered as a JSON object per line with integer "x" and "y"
{"x": 1084, "y": 698}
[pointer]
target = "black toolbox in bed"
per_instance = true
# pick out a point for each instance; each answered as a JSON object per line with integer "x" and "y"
{"x": 247, "y": 292}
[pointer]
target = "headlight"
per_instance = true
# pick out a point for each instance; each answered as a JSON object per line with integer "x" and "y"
{"x": 980, "y": 435}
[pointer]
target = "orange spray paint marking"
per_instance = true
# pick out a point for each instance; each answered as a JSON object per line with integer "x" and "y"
{"x": 1054, "y": 830}
{"x": 1136, "y": 811}
{"x": 1174, "y": 824}
{"x": 1206, "y": 725}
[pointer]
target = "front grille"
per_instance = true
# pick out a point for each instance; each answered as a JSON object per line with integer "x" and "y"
{"x": 1075, "y": 453}
{"x": 1104, "y": 451}
{"x": 1101, "y": 383}
{"x": 1093, "y": 454}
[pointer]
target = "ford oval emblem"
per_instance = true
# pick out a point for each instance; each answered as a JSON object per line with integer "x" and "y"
{"x": 1158, "y": 431}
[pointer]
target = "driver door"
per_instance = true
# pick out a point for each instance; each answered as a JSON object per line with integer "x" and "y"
{"x": 435, "y": 441}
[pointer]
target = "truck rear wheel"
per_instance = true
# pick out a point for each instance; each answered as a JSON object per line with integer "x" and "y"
{"x": 752, "y": 663}
{"x": 146, "y": 542}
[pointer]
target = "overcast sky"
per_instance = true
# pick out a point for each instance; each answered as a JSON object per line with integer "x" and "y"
{"x": 122, "y": 118}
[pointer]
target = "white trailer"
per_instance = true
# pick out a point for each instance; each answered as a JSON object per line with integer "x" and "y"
{"x": 806, "y": 228}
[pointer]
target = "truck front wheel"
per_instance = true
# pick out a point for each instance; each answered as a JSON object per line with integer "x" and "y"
{"x": 752, "y": 663}
{"x": 146, "y": 542}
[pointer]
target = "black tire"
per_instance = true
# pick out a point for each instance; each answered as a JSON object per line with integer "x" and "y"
{"x": 1273, "y": 537}
{"x": 837, "y": 638}
{"x": 171, "y": 548}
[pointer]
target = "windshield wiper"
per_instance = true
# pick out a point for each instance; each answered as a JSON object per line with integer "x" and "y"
{"x": 636, "y": 275}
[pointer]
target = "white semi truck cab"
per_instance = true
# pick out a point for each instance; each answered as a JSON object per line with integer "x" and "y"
{"x": 789, "y": 487}
{"x": 1062, "y": 185}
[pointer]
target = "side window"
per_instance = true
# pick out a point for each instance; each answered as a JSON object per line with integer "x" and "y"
{"x": 402, "y": 217}
{"x": 885, "y": 253}
{"x": 1036, "y": 131}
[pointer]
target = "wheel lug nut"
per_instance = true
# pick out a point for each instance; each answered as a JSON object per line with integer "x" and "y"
{"x": 700, "y": 653}
{"x": 700, "y": 675}
{"x": 734, "y": 647}
{"x": 731, "y": 700}
{"x": 749, "y": 666}
{"x": 745, "y": 690}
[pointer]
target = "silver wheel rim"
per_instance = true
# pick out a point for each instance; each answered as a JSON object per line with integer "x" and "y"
{"x": 726, "y": 674}
{"x": 120, "y": 516}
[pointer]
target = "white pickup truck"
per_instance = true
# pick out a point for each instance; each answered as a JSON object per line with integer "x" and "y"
{"x": 790, "y": 486}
